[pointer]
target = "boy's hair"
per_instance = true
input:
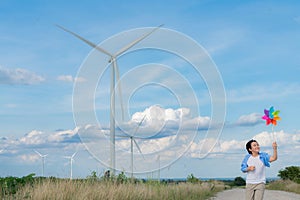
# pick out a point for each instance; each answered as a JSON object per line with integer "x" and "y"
{"x": 248, "y": 145}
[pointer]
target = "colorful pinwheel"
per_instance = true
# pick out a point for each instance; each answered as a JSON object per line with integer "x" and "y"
{"x": 271, "y": 116}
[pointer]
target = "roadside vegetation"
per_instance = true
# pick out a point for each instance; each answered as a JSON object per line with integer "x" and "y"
{"x": 289, "y": 180}
{"x": 93, "y": 187}
{"x": 121, "y": 187}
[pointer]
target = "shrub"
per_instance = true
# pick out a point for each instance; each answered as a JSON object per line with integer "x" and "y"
{"x": 290, "y": 173}
{"x": 239, "y": 181}
{"x": 93, "y": 176}
{"x": 192, "y": 179}
{"x": 122, "y": 178}
{"x": 10, "y": 185}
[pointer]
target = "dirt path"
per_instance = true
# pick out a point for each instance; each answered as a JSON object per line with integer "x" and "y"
{"x": 269, "y": 195}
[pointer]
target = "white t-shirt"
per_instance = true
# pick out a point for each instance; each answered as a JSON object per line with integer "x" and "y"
{"x": 259, "y": 174}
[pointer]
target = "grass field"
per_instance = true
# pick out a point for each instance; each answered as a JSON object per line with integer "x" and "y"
{"x": 85, "y": 189}
{"x": 121, "y": 187}
{"x": 284, "y": 185}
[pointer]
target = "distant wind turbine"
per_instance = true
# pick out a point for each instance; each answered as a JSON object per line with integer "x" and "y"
{"x": 132, "y": 140}
{"x": 158, "y": 159}
{"x": 43, "y": 160}
{"x": 114, "y": 74}
{"x": 71, "y": 163}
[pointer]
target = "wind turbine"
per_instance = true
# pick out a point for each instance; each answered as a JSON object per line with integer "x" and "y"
{"x": 71, "y": 163}
{"x": 43, "y": 160}
{"x": 132, "y": 140}
{"x": 114, "y": 74}
{"x": 158, "y": 159}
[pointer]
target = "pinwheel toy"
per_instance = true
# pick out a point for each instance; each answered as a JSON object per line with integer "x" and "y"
{"x": 271, "y": 117}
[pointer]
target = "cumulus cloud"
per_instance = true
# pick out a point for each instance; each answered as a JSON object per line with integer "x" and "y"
{"x": 28, "y": 158}
{"x": 32, "y": 138}
{"x": 157, "y": 113}
{"x": 39, "y": 139}
{"x": 158, "y": 119}
{"x": 67, "y": 136}
{"x": 169, "y": 144}
{"x": 169, "y": 147}
{"x": 249, "y": 120}
{"x": 69, "y": 78}
{"x": 155, "y": 118}
{"x": 227, "y": 149}
{"x": 18, "y": 77}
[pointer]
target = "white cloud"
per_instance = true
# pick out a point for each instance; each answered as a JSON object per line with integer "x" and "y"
{"x": 164, "y": 130}
{"x": 158, "y": 116}
{"x": 69, "y": 78}
{"x": 36, "y": 139}
{"x": 168, "y": 147}
{"x": 29, "y": 158}
{"x": 226, "y": 146}
{"x": 287, "y": 143}
{"x": 169, "y": 137}
{"x": 149, "y": 146}
{"x": 60, "y": 136}
{"x": 203, "y": 122}
{"x": 249, "y": 120}
{"x": 18, "y": 77}
{"x": 164, "y": 121}
{"x": 33, "y": 138}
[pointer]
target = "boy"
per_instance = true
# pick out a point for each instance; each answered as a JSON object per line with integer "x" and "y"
{"x": 254, "y": 164}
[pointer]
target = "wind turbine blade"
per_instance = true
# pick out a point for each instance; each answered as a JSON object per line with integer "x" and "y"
{"x": 136, "y": 144}
{"x": 86, "y": 41}
{"x": 140, "y": 123}
{"x": 119, "y": 86}
{"x": 136, "y": 41}
{"x": 73, "y": 155}
{"x": 38, "y": 153}
{"x": 124, "y": 136}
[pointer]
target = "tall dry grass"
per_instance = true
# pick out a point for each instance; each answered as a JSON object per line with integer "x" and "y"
{"x": 66, "y": 189}
{"x": 284, "y": 185}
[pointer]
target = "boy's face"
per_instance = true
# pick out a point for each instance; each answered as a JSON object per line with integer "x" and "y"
{"x": 255, "y": 147}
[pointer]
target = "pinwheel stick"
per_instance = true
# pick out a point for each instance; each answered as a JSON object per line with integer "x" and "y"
{"x": 273, "y": 134}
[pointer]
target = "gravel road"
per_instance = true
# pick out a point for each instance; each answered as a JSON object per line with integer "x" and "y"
{"x": 239, "y": 194}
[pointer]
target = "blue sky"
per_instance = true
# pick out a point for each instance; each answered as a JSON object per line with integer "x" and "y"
{"x": 253, "y": 44}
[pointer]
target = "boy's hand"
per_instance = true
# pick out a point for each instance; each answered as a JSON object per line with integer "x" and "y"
{"x": 274, "y": 145}
{"x": 274, "y": 156}
{"x": 251, "y": 168}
